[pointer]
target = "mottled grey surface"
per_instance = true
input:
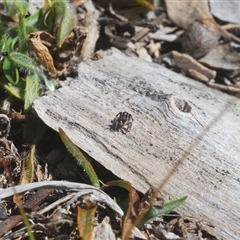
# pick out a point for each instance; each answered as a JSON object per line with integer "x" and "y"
{"x": 170, "y": 112}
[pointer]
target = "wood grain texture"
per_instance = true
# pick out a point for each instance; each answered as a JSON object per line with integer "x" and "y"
{"x": 169, "y": 111}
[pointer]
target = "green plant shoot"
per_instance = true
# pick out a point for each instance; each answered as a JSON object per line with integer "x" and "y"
{"x": 75, "y": 151}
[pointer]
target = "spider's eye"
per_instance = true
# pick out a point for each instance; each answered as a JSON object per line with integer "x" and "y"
{"x": 124, "y": 116}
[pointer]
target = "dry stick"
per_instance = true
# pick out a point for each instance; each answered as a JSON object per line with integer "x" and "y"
{"x": 180, "y": 162}
{"x": 230, "y": 36}
{"x": 146, "y": 30}
{"x": 223, "y": 87}
{"x": 31, "y": 203}
{"x": 56, "y": 203}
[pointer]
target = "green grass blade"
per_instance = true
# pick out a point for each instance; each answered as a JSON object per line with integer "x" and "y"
{"x": 27, "y": 63}
{"x": 31, "y": 91}
{"x": 22, "y": 7}
{"x": 167, "y": 207}
{"x": 10, "y": 71}
{"x": 66, "y": 15}
{"x": 75, "y": 151}
{"x": 26, "y": 222}
{"x": 22, "y": 35}
{"x": 14, "y": 8}
{"x": 16, "y": 91}
{"x": 24, "y": 61}
{"x": 37, "y": 19}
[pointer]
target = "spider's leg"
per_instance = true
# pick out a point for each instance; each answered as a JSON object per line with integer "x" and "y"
{"x": 131, "y": 118}
{"x": 129, "y": 126}
{"x": 116, "y": 122}
{"x": 118, "y": 116}
{"x": 124, "y": 130}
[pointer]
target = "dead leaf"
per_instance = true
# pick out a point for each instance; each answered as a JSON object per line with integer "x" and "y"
{"x": 183, "y": 13}
{"x": 85, "y": 216}
{"x": 164, "y": 34}
{"x": 57, "y": 59}
{"x": 154, "y": 48}
{"x": 72, "y": 46}
{"x": 222, "y": 57}
{"x": 103, "y": 231}
{"x": 42, "y": 53}
{"x": 227, "y": 11}
{"x": 187, "y": 64}
{"x": 133, "y": 206}
{"x": 197, "y": 75}
{"x": 4, "y": 125}
{"x": 192, "y": 228}
{"x": 143, "y": 54}
{"x": 132, "y": 211}
{"x": 200, "y": 37}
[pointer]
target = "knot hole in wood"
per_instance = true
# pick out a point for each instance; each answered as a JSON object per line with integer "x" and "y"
{"x": 183, "y": 105}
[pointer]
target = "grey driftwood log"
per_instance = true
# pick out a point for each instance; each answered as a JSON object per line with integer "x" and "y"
{"x": 170, "y": 111}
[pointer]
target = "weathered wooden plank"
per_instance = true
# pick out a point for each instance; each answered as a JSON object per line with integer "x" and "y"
{"x": 169, "y": 111}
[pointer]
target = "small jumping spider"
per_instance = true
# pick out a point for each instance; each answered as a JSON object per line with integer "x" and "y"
{"x": 123, "y": 121}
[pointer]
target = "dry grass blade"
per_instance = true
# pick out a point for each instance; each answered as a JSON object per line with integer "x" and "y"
{"x": 85, "y": 217}
{"x": 133, "y": 203}
{"x": 27, "y": 172}
{"x": 82, "y": 189}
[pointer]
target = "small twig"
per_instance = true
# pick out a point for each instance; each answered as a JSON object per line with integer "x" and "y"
{"x": 56, "y": 203}
{"x": 223, "y": 87}
{"x": 230, "y": 36}
{"x": 146, "y": 30}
